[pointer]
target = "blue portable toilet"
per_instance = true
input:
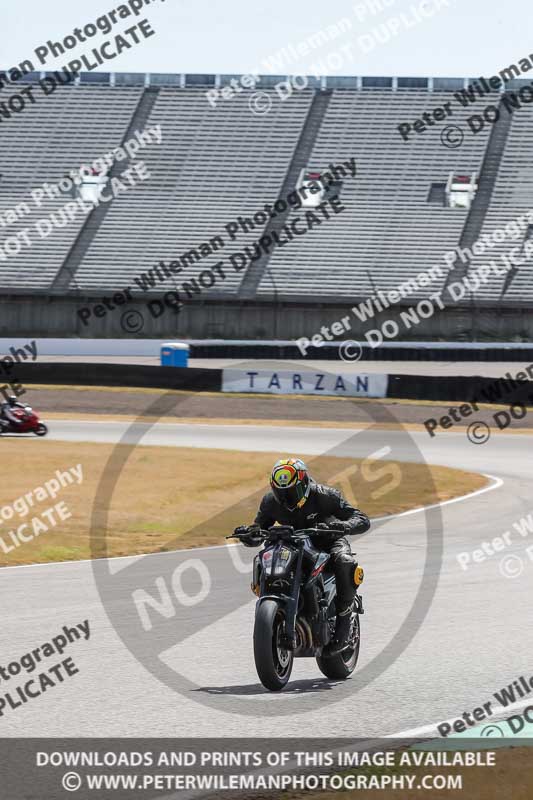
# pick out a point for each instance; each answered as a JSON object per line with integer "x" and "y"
{"x": 174, "y": 354}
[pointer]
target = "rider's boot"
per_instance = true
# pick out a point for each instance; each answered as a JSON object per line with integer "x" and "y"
{"x": 342, "y": 631}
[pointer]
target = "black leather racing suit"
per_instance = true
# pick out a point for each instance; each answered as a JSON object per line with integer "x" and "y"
{"x": 327, "y": 505}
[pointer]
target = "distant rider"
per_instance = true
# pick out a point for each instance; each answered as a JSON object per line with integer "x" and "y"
{"x": 7, "y": 409}
{"x": 297, "y": 500}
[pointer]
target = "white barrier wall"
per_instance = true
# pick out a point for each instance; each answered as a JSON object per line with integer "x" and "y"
{"x": 88, "y": 347}
{"x": 152, "y": 347}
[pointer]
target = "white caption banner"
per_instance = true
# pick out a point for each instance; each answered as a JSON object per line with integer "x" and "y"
{"x": 300, "y": 382}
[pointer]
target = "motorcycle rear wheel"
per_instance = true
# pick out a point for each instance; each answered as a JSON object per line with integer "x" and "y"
{"x": 272, "y": 662}
{"x": 341, "y": 665}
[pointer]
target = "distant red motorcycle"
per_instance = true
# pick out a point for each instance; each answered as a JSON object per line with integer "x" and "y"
{"x": 30, "y": 423}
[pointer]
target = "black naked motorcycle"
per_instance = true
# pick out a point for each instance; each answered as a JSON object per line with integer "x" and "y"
{"x": 295, "y": 614}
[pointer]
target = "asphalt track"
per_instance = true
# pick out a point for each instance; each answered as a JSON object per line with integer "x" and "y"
{"x": 475, "y": 638}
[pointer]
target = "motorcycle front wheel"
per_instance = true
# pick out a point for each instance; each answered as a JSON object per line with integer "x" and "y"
{"x": 273, "y": 662}
{"x": 341, "y": 665}
{"x": 41, "y": 429}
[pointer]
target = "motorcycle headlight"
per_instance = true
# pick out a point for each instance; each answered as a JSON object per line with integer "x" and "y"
{"x": 284, "y": 556}
{"x": 266, "y": 560}
{"x": 280, "y": 557}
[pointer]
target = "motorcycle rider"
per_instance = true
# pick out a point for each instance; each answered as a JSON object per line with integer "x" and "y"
{"x": 297, "y": 500}
{"x": 6, "y": 411}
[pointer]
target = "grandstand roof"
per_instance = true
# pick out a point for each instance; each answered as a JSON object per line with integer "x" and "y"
{"x": 188, "y": 80}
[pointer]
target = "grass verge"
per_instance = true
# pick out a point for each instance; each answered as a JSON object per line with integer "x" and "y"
{"x": 168, "y": 498}
{"x": 402, "y": 401}
{"x": 511, "y": 777}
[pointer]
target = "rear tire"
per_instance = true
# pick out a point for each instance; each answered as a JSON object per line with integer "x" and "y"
{"x": 341, "y": 665}
{"x": 272, "y": 662}
{"x": 41, "y": 429}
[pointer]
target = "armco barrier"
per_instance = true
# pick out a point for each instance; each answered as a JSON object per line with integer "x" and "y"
{"x": 414, "y": 387}
{"x": 388, "y": 351}
{"x": 278, "y": 349}
{"x": 460, "y": 389}
{"x": 134, "y": 375}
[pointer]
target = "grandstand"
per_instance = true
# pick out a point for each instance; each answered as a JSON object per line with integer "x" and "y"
{"x": 212, "y": 166}
{"x": 512, "y": 196}
{"x": 389, "y": 232}
{"x": 43, "y": 145}
{"x": 215, "y": 164}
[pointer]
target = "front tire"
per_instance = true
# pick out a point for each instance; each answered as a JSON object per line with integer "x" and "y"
{"x": 41, "y": 429}
{"x": 341, "y": 665}
{"x": 272, "y": 662}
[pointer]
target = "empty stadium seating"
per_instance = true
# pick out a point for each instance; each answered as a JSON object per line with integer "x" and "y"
{"x": 512, "y": 197}
{"x": 215, "y": 164}
{"x": 388, "y": 232}
{"x": 71, "y": 127}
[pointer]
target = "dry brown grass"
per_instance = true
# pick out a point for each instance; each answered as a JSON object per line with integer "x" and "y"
{"x": 165, "y": 498}
{"x": 511, "y": 777}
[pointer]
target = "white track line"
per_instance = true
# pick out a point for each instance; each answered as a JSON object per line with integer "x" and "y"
{"x": 497, "y": 482}
{"x": 432, "y": 729}
{"x": 367, "y": 746}
{"x": 496, "y": 485}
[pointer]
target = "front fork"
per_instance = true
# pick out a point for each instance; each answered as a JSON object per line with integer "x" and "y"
{"x": 290, "y": 601}
{"x": 292, "y": 605}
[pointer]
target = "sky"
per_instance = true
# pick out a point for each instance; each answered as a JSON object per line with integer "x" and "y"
{"x": 463, "y": 38}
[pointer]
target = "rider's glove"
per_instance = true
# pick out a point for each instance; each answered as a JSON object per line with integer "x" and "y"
{"x": 242, "y": 530}
{"x": 249, "y": 535}
{"x": 339, "y": 525}
{"x": 322, "y": 526}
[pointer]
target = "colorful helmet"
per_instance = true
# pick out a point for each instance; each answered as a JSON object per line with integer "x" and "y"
{"x": 290, "y": 483}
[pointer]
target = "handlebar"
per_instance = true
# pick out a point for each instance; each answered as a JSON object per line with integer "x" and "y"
{"x": 301, "y": 532}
